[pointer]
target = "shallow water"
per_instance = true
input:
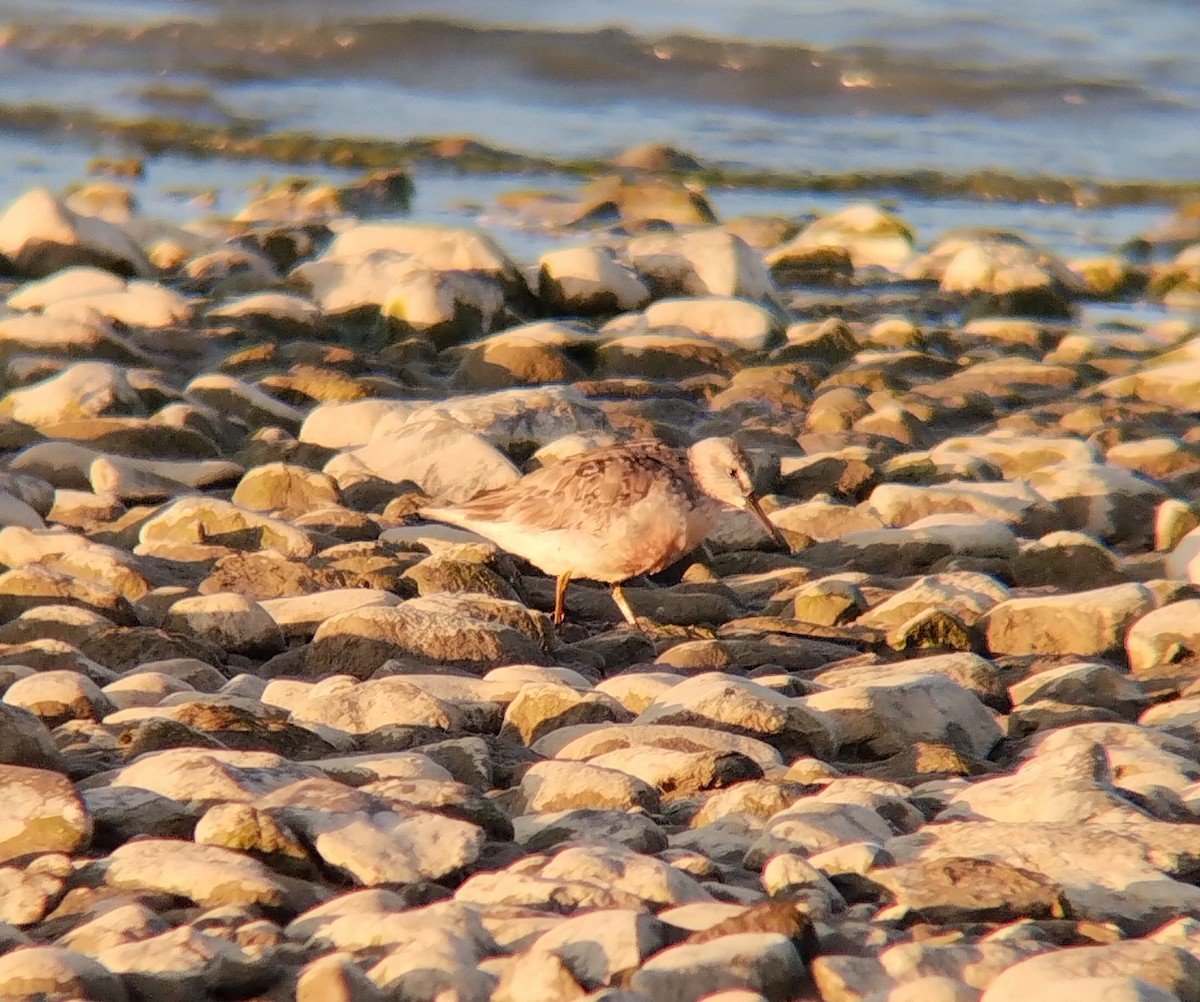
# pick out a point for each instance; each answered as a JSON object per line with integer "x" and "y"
{"x": 1089, "y": 88}
{"x": 1084, "y": 89}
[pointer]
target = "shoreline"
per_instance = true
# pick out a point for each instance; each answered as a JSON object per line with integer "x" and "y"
{"x": 155, "y": 136}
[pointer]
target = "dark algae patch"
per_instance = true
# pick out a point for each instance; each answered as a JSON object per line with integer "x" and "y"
{"x": 243, "y": 140}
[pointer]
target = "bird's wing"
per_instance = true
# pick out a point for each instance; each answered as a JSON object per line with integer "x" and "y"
{"x": 575, "y": 493}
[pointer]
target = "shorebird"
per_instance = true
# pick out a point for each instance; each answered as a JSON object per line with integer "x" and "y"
{"x": 615, "y": 513}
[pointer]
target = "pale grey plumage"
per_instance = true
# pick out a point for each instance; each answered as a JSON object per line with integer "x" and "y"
{"x": 613, "y": 513}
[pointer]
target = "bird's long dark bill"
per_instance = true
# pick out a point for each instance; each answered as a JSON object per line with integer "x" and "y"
{"x": 753, "y": 507}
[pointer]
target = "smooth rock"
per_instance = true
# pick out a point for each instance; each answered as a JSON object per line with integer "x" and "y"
{"x": 82, "y": 390}
{"x": 302, "y": 615}
{"x": 737, "y": 322}
{"x": 1074, "y": 783}
{"x": 870, "y": 236}
{"x": 585, "y": 741}
{"x": 183, "y": 963}
{"x": 69, "y": 336}
{"x": 887, "y": 715}
{"x": 42, "y": 813}
{"x": 1013, "y": 502}
{"x": 203, "y": 776}
{"x": 812, "y": 825}
{"x": 1066, "y": 561}
{"x": 725, "y": 702}
{"x": 41, "y": 235}
{"x": 540, "y": 708}
{"x": 143, "y": 688}
{"x": 14, "y": 511}
{"x": 588, "y": 280}
{"x": 281, "y": 487}
{"x": 968, "y": 595}
{"x": 440, "y": 247}
{"x": 208, "y": 875}
{"x": 25, "y": 740}
{"x": 399, "y": 846}
{"x": 230, "y": 395}
{"x": 58, "y": 696}
{"x": 517, "y": 417}
{"x": 1163, "y": 636}
{"x": 589, "y": 826}
{"x": 336, "y": 978}
{"x": 1184, "y": 560}
{"x": 531, "y": 354}
{"x": 1169, "y": 968}
{"x": 598, "y": 945}
{"x": 360, "y": 640}
{"x": 441, "y": 456}
{"x": 139, "y": 303}
{"x": 677, "y": 773}
{"x": 343, "y": 425}
{"x": 359, "y": 708}
{"x": 553, "y": 785}
{"x": 1173, "y": 520}
{"x": 33, "y": 973}
{"x": 764, "y": 962}
{"x": 1109, "y": 872}
{"x": 1112, "y": 504}
{"x": 1014, "y": 455}
{"x": 708, "y": 262}
{"x": 211, "y": 520}
{"x": 232, "y": 621}
{"x": 434, "y": 962}
{"x": 1085, "y": 684}
{"x": 664, "y": 355}
{"x": 1085, "y": 624}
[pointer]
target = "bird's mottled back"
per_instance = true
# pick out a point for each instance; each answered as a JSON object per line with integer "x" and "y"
{"x": 615, "y": 513}
{"x": 583, "y": 490}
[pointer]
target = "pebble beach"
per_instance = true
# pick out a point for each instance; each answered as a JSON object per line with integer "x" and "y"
{"x": 266, "y": 733}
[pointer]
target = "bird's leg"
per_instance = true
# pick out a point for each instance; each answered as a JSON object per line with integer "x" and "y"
{"x": 560, "y": 596}
{"x": 618, "y": 595}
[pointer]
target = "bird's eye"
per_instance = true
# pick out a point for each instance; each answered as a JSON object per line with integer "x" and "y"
{"x": 733, "y": 472}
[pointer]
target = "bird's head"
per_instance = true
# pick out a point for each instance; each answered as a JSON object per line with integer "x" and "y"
{"x": 724, "y": 472}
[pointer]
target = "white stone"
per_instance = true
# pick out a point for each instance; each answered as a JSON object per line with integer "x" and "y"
{"x": 518, "y": 416}
{"x": 1184, "y": 560}
{"x": 589, "y": 280}
{"x": 1072, "y": 783}
{"x": 340, "y": 426}
{"x": 41, "y": 235}
{"x": 243, "y": 400}
{"x": 726, "y": 702}
{"x": 1015, "y": 455}
{"x": 1107, "y": 871}
{"x": 139, "y": 304}
{"x": 230, "y": 620}
{"x": 707, "y": 262}
{"x": 310, "y": 611}
{"x": 438, "y": 247}
{"x": 766, "y": 962}
{"x": 69, "y": 283}
{"x": 968, "y": 595}
{"x": 890, "y": 715}
{"x": 738, "y": 322}
{"x": 83, "y": 390}
{"x": 444, "y": 458}
{"x": 1083, "y": 623}
{"x": 1133, "y": 971}
{"x": 871, "y": 236}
